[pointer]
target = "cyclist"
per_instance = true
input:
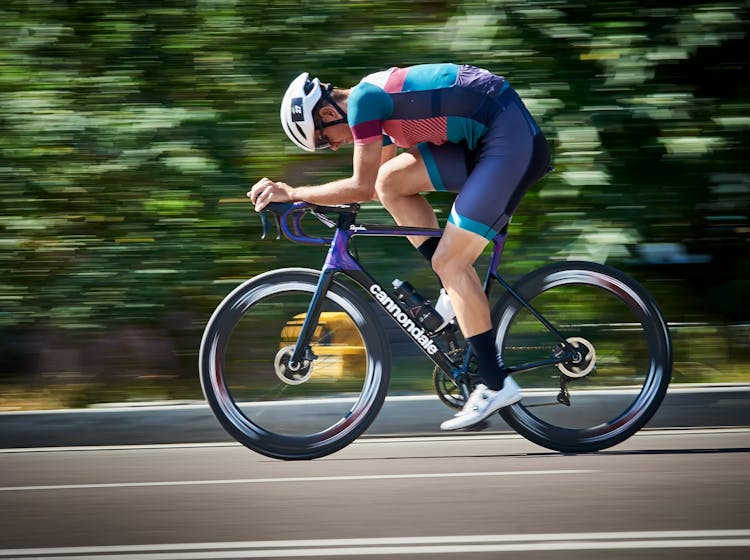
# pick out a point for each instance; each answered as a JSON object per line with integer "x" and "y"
{"x": 464, "y": 130}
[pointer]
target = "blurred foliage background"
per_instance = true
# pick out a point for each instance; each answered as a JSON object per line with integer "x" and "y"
{"x": 131, "y": 130}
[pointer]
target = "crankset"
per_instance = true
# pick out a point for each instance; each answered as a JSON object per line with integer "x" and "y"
{"x": 453, "y": 393}
{"x": 448, "y": 391}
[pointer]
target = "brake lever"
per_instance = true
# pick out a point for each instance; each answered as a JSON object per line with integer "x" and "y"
{"x": 267, "y": 226}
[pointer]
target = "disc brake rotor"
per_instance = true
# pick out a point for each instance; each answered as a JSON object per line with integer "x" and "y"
{"x": 289, "y": 373}
{"x": 584, "y": 361}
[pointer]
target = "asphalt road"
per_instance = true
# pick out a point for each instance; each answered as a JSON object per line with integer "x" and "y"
{"x": 664, "y": 493}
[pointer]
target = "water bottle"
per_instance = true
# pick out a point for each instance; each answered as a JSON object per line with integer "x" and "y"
{"x": 419, "y": 308}
{"x": 444, "y": 308}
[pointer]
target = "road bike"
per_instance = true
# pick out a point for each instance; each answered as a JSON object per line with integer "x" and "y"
{"x": 295, "y": 363}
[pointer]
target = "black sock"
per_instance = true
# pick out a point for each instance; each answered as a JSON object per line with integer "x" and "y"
{"x": 491, "y": 370}
{"x": 428, "y": 249}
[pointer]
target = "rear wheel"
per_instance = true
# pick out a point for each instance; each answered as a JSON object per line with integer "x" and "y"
{"x": 290, "y": 410}
{"x": 621, "y": 367}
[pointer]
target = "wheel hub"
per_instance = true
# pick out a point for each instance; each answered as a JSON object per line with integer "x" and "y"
{"x": 291, "y": 373}
{"x": 584, "y": 360}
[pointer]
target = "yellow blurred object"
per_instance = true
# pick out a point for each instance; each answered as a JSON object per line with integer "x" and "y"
{"x": 336, "y": 342}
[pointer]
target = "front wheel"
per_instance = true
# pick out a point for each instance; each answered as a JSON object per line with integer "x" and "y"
{"x": 284, "y": 409}
{"x": 622, "y": 364}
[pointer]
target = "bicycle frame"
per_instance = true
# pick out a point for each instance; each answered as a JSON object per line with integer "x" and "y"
{"x": 340, "y": 261}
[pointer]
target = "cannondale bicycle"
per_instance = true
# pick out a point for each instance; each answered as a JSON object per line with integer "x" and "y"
{"x": 295, "y": 363}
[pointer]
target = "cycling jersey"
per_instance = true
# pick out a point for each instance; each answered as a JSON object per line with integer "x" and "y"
{"x": 434, "y": 103}
{"x": 471, "y": 128}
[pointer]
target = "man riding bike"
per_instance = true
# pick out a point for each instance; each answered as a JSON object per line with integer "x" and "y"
{"x": 464, "y": 130}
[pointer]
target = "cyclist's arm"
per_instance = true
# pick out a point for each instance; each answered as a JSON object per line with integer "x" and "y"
{"x": 357, "y": 188}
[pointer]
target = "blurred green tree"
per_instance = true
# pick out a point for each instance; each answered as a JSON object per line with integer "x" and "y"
{"x": 132, "y": 129}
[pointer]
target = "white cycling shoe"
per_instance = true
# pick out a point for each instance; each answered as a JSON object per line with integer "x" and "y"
{"x": 482, "y": 403}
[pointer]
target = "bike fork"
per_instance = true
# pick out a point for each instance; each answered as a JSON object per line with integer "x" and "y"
{"x": 302, "y": 349}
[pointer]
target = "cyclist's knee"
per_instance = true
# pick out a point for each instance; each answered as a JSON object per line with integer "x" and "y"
{"x": 392, "y": 180}
{"x": 401, "y": 176}
{"x": 388, "y": 183}
{"x": 384, "y": 180}
{"x": 456, "y": 253}
{"x": 447, "y": 264}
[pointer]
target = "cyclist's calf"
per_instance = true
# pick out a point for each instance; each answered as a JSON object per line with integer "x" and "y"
{"x": 453, "y": 262}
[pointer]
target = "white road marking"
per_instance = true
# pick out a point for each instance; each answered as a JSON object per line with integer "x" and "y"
{"x": 291, "y": 479}
{"x": 459, "y": 544}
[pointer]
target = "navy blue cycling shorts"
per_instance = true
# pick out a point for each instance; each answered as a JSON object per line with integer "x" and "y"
{"x": 491, "y": 180}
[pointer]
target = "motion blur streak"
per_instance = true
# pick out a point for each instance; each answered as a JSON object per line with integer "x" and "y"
{"x": 403, "y": 545}
{"x": 131, "y": 131}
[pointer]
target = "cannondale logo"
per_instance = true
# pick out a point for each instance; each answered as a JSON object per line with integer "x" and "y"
{"x": 416, "y": 332}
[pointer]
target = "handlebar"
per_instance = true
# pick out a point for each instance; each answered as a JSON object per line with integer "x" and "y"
{"x": 284, "y": 212}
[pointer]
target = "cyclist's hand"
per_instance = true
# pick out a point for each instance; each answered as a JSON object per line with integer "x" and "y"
{"x": 265, "y": 191}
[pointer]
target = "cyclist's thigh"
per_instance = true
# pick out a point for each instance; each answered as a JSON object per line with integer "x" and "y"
{"x": 504, "y": 154}
{"x": 404, "y": 174}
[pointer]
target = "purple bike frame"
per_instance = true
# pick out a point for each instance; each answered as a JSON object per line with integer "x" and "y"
{"x": 340, "y": 260}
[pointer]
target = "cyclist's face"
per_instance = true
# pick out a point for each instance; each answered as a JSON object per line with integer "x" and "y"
{"x": 335, "y": 135}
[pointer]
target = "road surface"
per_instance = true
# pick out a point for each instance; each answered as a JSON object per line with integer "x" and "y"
{"x": 675, "y": 493}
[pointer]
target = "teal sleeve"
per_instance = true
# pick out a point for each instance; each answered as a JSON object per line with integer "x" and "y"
{"x": 368, "y": 106}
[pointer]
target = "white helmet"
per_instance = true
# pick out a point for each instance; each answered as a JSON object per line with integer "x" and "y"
{"x": 301, "y": 97}
{"x": 297, "y": 111}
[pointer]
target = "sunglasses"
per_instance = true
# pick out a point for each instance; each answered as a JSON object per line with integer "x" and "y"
{"x": 321, "y": 142}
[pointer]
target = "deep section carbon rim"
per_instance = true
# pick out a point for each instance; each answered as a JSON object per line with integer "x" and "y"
{"x": 622, "y": 369}
{"x": 280, "y": 408}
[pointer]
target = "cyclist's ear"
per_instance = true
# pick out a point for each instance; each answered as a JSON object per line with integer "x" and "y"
{"x": 327, "y": 113}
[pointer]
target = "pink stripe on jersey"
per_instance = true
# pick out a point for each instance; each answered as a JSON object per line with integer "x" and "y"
{"x": 408, "y": 133}
{"x": 395, "y": 82}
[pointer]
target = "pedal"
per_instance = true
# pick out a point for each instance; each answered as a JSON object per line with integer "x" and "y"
{"x": 478, "y": 427}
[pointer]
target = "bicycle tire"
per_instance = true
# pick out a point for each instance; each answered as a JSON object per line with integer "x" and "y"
{"x": 241, "y": 380}
{"x": 635, "y": 355}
